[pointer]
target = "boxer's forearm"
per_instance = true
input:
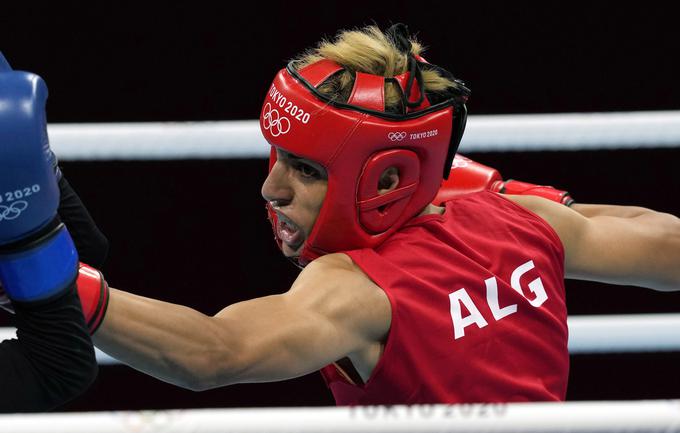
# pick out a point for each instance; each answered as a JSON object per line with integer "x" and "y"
{"x": 171, "y": 342}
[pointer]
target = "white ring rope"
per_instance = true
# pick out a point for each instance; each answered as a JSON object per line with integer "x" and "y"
{"x": 624, "y": 333}
{"x": 604, "y": 416}
{"x": 587, "y": 334}
{"x": 243, "y": 139}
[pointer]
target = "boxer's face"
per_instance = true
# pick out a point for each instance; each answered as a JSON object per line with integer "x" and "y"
{"x": 295, "y": 188}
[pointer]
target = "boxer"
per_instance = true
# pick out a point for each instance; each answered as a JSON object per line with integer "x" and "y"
{"x": 404, "y": 296}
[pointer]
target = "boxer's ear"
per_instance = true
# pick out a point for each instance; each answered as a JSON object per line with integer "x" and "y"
{"x": 385, "y": 188}
{"x": 389, "y": 180}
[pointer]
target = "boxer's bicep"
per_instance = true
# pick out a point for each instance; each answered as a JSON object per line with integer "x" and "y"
{"x": 326, "y": 316}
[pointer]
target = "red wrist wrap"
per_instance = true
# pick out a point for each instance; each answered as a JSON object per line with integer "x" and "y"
{"x": 523, "y": 188}
{"x": 94, "y": 295}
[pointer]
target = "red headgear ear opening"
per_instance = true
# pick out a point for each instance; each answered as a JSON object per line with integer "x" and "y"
{"x": 377, "y": 213}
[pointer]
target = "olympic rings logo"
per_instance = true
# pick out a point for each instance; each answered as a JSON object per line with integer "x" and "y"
{"x": 273, "y": 122}
{"x": 396, "y": 136}
{"x": 12, "y": 211}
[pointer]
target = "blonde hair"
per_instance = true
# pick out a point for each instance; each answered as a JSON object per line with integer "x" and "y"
{"x": 371, "y": 51}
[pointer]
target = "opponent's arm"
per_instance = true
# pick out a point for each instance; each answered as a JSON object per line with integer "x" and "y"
{"x": 319, "y": 320}
{"x": 90, "y": 242}
{"x": 92, "y": 245}
{"x": 640, "y": 247}
{"x": 51, "y": 361}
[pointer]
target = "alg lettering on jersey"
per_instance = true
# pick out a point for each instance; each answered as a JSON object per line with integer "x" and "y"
{"x": 461, "y": 298}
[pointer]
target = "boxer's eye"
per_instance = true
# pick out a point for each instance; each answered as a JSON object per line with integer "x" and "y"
{"x": 307, "y": 170}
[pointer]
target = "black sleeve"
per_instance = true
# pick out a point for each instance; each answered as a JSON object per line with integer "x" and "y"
{"x": 52, "y": 360}
{"x": 92, "y": 245}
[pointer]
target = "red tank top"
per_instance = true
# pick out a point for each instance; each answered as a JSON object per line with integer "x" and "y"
{"x": 478, "y": 309}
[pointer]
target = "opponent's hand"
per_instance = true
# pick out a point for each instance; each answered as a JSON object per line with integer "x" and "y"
{"x": 37, "y": 257}
{"x": 468, "y": 176}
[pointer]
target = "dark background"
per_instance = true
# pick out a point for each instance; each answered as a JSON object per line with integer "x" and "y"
{"x": 200, "y": 61}
{"x": 194, "y": 232}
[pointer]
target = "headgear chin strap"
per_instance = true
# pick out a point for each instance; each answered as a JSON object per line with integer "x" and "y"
{"x": 356, "y": 142}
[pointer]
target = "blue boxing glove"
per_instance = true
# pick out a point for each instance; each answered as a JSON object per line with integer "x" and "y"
{"x": 38, "y": 259}
{"x": 49, "y": 155}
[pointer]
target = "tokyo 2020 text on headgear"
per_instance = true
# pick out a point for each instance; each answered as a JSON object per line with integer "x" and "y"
{"x": 357, "y": 140}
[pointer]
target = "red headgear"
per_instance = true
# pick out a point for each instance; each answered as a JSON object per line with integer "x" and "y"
{"x": 355, "y": 142}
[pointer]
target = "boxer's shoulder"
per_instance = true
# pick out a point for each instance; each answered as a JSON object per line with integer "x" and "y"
{"x": 333, "y": 271}
{"x": 337, "y": 286}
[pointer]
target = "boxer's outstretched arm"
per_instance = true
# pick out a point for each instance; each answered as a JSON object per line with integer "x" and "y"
{"x": 615, "y": 244}
{"x": 266, "y": 339}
